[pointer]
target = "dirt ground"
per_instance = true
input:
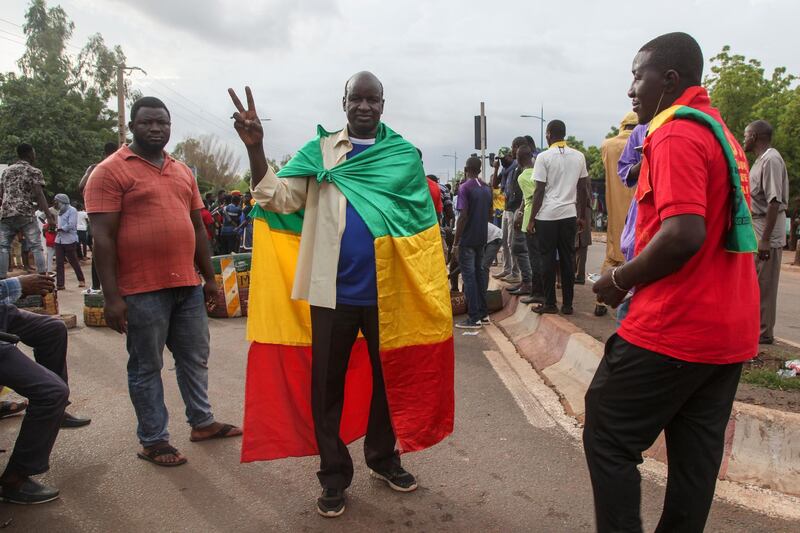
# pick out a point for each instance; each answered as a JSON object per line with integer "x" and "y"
{"x": 769, "y": 357}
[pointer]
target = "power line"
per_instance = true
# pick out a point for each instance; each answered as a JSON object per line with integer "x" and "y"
{"x": 197, "y": 115}
{"x": 217, "y": 122}
{"x": 9, "y": 22}
{"x": 224, "y": 122}
{"x": 12, "y": 40}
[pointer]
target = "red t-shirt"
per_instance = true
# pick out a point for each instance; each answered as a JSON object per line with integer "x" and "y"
{"x": 436, "y": 195}
{"x": 708, "y": 311}
{"x": 208, "y": 222}
{"x": 155, "y": 241}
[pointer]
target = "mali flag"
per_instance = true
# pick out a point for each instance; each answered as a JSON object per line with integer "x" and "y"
{"x": 387, "y": 187}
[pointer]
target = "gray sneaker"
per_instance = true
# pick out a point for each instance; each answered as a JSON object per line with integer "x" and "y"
{"x": 469, "y": 324}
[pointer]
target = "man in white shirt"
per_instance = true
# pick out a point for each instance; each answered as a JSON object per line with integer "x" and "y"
{"x": 560, "y": 175}
{"x": 83, "y": 232}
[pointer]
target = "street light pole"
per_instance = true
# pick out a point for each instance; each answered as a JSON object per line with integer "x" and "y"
{"x": 541, "y": 119}
{"x": 455, "y": 164}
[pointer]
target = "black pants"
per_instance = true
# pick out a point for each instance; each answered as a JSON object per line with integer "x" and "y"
{"x": 634, "y": 395}
{"x": 83, "y": 243}
{"x": 70, "y": 252}
{"x": 557, "y": 236}
{"x": 43, "y": 383}
{"x": 333, "y": 333}
{"x": 580, "y": 258}
{"x": 95, "y": 276}
{"x": 229, "y": 243}
{"x": 535, "y": 256}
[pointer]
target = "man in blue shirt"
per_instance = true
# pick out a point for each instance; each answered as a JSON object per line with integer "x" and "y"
{"x": 67, "y": 240}
{"x": 43, "y": 382}
{"x": 475, "y": 207}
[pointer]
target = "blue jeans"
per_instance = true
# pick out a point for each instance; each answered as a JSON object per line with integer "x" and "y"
{"x": 489, "y": 255}
{"x": 470, "y": 259}
{"x": 175, "y": 318}
{"x": 622, "y": 311}
{"x": 9, "y": 227}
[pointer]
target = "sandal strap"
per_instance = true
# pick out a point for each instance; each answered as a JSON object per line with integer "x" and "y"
{"x": 162, "y": 450}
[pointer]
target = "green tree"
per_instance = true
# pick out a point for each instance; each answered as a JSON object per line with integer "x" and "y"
{"x": 58, "y": 103}
{"x": 736, "y": 85}
{"x": 742, "y": 92}
{"x": 594, "y": 159}
{"x": 213, "y": 162}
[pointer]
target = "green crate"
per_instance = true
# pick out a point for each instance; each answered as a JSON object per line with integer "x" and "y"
{"x": 242, "y": 262}
{"x": 30, "y": 301}
{"x": 93, "y": 300}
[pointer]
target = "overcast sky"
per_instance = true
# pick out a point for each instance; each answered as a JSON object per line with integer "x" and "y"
{"x": 437, "y": 59}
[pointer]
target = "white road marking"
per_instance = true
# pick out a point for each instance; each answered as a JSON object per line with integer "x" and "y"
{"x": 542, "y": 407}
{"x": 538, "y": 402}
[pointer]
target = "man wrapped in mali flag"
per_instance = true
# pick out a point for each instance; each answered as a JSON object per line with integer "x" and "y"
{"x": 349, "y": 311}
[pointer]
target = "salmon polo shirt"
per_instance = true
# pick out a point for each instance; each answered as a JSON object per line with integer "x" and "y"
{"x": 156, "y": 238}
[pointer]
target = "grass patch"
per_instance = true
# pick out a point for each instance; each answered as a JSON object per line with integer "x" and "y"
{"x": 770, "y": 380}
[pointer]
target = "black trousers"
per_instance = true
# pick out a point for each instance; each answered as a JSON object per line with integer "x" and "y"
{"x": 43, "y": 383}
{"x": 535, "y": 256}
{"x": 333, "y": 333}
{"x": 70, "y": 253}
{"x": 635, "y": 394}
{"x": 557, "y": 236}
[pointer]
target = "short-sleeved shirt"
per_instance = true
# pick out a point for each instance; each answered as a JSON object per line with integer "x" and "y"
{"x": 559, "y": 168}
{"x": 83, "y": 220}
{"x": 156, "y": 237}
{"x": 230, "y": 219}
{"x": 527, "y": 186}
{"x": 356, "y": 279}
{"x": 707, "y": 311}
{"x": 18, "y": 181}
{"x": 436, "y": 196}
{"x": 769, "y": 181}
{"x": 208, "y": 222}
{"x": 476, "y": 197}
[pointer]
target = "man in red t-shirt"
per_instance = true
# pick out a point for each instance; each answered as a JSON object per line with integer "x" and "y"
{"x": 675, "y": 362}
{"x": 144, "y": 207}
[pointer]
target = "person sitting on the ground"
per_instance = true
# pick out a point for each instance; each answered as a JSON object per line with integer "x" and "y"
{"x": 43, "y": 382}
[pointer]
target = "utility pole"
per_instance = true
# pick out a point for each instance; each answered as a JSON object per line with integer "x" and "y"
{"x": 121, "y": 104}
{"x": 483, "y": 143}
{"x": 121, "y": 101}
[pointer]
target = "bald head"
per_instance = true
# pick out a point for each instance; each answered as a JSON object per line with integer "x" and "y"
{"x": 757, "y": 136}
{"x": 761, "y": 127}
{"x": 364, "y": 77}
{"x": 363, "y": 104}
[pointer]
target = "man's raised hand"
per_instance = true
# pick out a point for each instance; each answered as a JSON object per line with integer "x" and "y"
{"x": 246, "y": 121}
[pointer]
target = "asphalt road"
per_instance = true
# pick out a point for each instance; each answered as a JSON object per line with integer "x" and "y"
{"x": 787, "y": 324}
{"x": 504, "y": 468}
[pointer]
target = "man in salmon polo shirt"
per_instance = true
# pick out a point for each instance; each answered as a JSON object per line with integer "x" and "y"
{"x": 144, "y": 208}
{"x": 675, "y": 362}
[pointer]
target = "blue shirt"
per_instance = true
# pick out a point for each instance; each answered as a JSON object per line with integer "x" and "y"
{"x": 230, "y": 219}
{"x": 68, "y": 226}
{"x": 356, "y": 282}
{"x": 476, "y": 197}
{"x": 10, "y": 290}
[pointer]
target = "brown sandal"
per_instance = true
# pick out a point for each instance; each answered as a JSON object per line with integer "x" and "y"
{"x": 222, "y": 433}
{"x": 159, "y": 450}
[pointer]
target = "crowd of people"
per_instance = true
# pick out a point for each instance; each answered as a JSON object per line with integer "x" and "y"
{"x": 685, "y": 221}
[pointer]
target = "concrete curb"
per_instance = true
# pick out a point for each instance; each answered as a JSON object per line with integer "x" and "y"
{"x": 762, "y": 446}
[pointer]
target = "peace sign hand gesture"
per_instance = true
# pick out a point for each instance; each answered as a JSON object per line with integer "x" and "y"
{"x": 246, "y": 121}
